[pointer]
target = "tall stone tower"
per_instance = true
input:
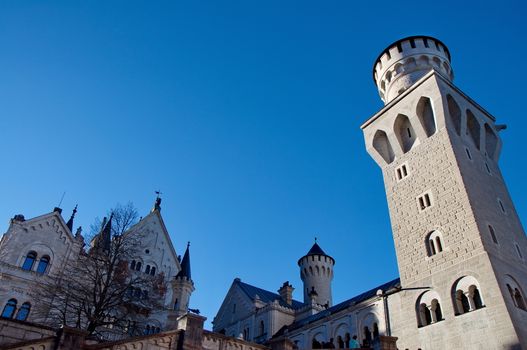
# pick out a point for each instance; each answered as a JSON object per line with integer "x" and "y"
{"x": 316, "y": 272}
{"x": 461, "y": 248}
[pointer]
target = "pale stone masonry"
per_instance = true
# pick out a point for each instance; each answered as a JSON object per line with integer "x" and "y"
{"x": 450, "y": 148}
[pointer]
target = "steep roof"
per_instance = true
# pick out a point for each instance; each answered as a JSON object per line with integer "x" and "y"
{"x": 265, "y": 295}
{"x": 185, "y": 265}
{"x": 315, "y": 250}
{"x": 341, "y": 306}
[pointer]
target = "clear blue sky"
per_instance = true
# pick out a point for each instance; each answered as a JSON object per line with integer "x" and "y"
{"x": 245, "y": 114}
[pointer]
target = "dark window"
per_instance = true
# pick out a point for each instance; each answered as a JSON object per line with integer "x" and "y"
{"x": 132, "y": 265}
{"x": 29, "y": 261}
{"x": 438, "y": 244}
{"x": 153, "y": 271}
{"x": 23, "y": 312}
{"x": 147, "y": 270}
{"x": 138, "y": 266}
{"x": 493, "y": 234}
{"x": 9, "y": 309}
{"x": 43, "y": 264}
{"x": 439, "y": 314}
{"x": 478, "y": 303}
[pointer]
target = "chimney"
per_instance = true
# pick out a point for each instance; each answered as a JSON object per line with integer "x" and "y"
{"x": 286, "y": 293}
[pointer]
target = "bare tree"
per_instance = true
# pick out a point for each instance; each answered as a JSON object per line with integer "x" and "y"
{"x": 98, "y": 292}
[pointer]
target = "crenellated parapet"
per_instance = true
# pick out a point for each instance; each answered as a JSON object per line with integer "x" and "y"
{"x": 405, "y": 61}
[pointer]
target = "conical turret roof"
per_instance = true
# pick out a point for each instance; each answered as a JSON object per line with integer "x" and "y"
{"x": 185, "y": 265}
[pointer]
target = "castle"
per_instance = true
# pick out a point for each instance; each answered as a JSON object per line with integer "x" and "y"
{"x": 461, "y": 249}
{"x": 40, "y": 249}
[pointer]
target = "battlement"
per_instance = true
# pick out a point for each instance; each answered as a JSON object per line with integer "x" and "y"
{"x": 405, "y": 61}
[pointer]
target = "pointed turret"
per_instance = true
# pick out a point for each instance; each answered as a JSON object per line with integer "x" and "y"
{"x": 185, "y": 265}
{"x": 182, "y": 286}
{"x": 70, "y": 221}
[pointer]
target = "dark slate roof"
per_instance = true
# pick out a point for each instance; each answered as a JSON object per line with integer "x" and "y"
{"x": 265, "y": 295}
{"x": 315, "y": 250}
{"x": 185, "y": 265}
{"x": 341, "y": 306}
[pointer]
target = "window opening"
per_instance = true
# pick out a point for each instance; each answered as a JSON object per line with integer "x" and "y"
{"x": 29, "y": 261}
{"x": 43, "y": 264}
{"x": 9, "y": 308}
{"x": 493, "y": 234}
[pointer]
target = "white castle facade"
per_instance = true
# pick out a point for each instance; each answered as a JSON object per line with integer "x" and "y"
{"x": 461, "y": 249}
{"x": 35, "y": 250}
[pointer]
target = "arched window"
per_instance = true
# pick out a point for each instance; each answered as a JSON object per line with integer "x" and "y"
{"x": 466, "y": 295}
{"x": 43, "y": 264}
{"x": 428, "y": 309}
{"x": 29, "y": 261}
{"x": 147, "y": 269}
{"x": 383, "y": 147}
{"x": 434, "y": 243}
{"x": 147, "y": 330}
{"x": 138, "y": 266}
{"x": 473, "y": 128}
{"x": 9, "y": 308}
{"x": 132, "y": 265}
{"x": 425, "y": 113}
{"x": 23, "y": 312}
{"x": 153, "y": 271}
{"x": 405, "y": 132}
{"x": 455, "y": 113}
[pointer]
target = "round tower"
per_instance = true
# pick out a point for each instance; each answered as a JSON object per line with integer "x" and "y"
{"x": 316, "y": 272}
{"x": 407, "y": 60}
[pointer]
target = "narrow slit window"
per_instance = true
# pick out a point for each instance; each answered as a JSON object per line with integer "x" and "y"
{"x": 493, "y": 234}
{"x": 424, "y": 201}
{"x": 518, "y": 251}
{"x": 401, "y": 172}
{"x": 468, "y": 154}
{"x": 487, "y": 167}
{"x": 501, "y": 205}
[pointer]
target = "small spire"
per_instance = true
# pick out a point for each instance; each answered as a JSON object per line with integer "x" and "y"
{"x": 70, "y": 221}
{"x": 185, "y": 265}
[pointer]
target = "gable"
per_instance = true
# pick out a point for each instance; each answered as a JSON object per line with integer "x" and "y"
{"x": 156, "y": 246}
{"x": 45, "y": 235}
{"x": 235, "y": 306}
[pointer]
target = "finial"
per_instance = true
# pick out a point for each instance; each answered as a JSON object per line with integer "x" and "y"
{"x": 315, "y": 239}
{"x": 74, "y": 211}
{"x": 157, "y": 205}
{"x": 188, "y": 244}
{"x": 70, "y": 221}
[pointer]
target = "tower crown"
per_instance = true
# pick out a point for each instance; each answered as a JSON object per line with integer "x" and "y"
{"x": 405, "y": 61}
{"x": 316, "y": 272}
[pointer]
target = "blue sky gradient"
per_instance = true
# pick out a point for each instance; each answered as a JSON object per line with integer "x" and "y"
{"x": 245, "y": 114}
